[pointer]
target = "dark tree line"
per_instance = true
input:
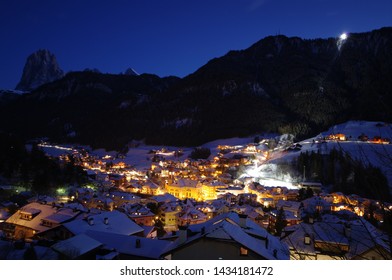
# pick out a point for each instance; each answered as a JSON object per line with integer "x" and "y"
{"x": 200, "y": 153}
{"x": 345, "y": 174}
{"x": 33, "y": 169}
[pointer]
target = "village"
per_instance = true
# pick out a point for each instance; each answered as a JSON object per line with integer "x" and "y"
{"x": 178, "y": 207}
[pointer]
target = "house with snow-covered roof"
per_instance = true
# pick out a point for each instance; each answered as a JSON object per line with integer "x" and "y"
{"x": 36, "y": 219}
{"x": 151, "y": 188}
{"x": 292, "y": 206}
{"x": 256, "y": 214}
{"x": 332, "y": 238}
{"x": 185, "y": 188}
{"x": 289, "y": 217}
{"x": 314, "y": 205}
{"x": 162, "y": 198}
{"x": 210, "y": 188}
{"x": 139, "y": 213}
{"x": 227, "y": 236}
{"x": 131, "y": 247}
{"x": 191, "y": 216}
{"x": 120, "y": 197}
{"x": 168, "y": 215}
{"x": 11, "y": 250}
{"x": 106, "y": 221}
{"x": 80, "y": 246}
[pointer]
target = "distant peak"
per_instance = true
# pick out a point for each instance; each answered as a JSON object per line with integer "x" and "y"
{"x": 41, "y": 67}
{"x": 131, "y": 72}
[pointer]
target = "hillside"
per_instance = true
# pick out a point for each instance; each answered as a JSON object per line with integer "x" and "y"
{"x": 369, "y": 153}
{"x": 278, "y": 85}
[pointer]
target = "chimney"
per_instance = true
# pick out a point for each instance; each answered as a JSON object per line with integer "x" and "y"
{"x": 311, "y": 220}
{"x": 182, "y": 234}
{"x": 347, "y": 230}
{"x": 90, "y": 221}
{"x": 307, "y": 239}
{"x": 137, "y": 245}
{"x": 106, "y": 220}
{"x": 242, "y": 220}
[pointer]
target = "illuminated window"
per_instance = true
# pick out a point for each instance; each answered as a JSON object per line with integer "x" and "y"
{"x": 243, "y": 251}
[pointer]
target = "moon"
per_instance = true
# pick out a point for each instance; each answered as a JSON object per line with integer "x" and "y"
{"x": 343, "y": 36}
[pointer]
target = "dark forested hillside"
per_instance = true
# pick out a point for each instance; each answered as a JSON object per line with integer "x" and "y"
{"x": 279, "y": 84}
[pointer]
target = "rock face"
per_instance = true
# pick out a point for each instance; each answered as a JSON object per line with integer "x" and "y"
{"x": 41, "y": 67}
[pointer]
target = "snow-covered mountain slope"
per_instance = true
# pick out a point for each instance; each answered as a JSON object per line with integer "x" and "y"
{"x": 367, "y": 151}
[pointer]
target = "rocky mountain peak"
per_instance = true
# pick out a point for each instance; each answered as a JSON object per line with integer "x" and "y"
{"x": 41, "y": 67}
{"x": 131, "y": 72}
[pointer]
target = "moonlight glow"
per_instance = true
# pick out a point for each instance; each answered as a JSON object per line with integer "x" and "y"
{"x": 342, "y": 39}
{"x": 343, "y": 36}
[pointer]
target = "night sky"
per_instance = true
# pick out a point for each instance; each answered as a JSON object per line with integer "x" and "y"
{"x": 172, "y": 37}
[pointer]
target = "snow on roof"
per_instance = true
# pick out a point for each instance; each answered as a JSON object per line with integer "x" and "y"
{"x": 330, "y": 232}
{"x": 363, "y": 236}
{"x": 167, "y": 197}
{"x": 219, "y": 233}
{"x": 117, "y": 222}
{"x": 288, "y": 214}
{"x": 30, "y": 211}
{"x": 62, "y": 215}
{"x": 76, "y": 206}
{"x": 228, "y": 226}
{"x": 45, "y": 253}
{"x": 148, "y": 230}
{"x": 109, "y": 256}
{"x": 4, "y": 215}
{"x": 215, "y": 183}
{"x": 76, "y": 246}
{"x": 185, "y": 183}
{"x": 146, "y": 247}
{"x": 288, "y": 204}
{"x": 257, "y": 245}
{"x": 41, "y": 211}
{"x": 191, "y": 214}
{"x": 9, "y": 252}
{"x": 311, "y": 203}
{"x": 137, "y": 210}
{"x": 124, "y": 195}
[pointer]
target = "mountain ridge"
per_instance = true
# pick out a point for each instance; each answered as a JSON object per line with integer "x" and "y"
{"x": 279, "y": 84}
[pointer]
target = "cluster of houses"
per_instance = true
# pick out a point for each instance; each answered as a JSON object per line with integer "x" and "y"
{"x": 165, "y": 227}
{"x": 362, "y": 137}
{"x": 49, "y": 231}
{"x": 190, "y": 210}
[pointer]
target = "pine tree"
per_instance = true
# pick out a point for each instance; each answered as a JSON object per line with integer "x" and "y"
{"x": 281, "y": 222}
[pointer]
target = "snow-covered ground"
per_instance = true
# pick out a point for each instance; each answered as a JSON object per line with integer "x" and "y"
{"x": 379, "y": 155}
{"x": 356, "y": 128}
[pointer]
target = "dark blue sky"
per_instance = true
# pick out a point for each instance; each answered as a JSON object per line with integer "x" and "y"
{"x": 171, "y": 37}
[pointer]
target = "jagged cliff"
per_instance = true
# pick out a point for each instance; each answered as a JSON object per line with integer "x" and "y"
{"x": 41, "y": 67}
